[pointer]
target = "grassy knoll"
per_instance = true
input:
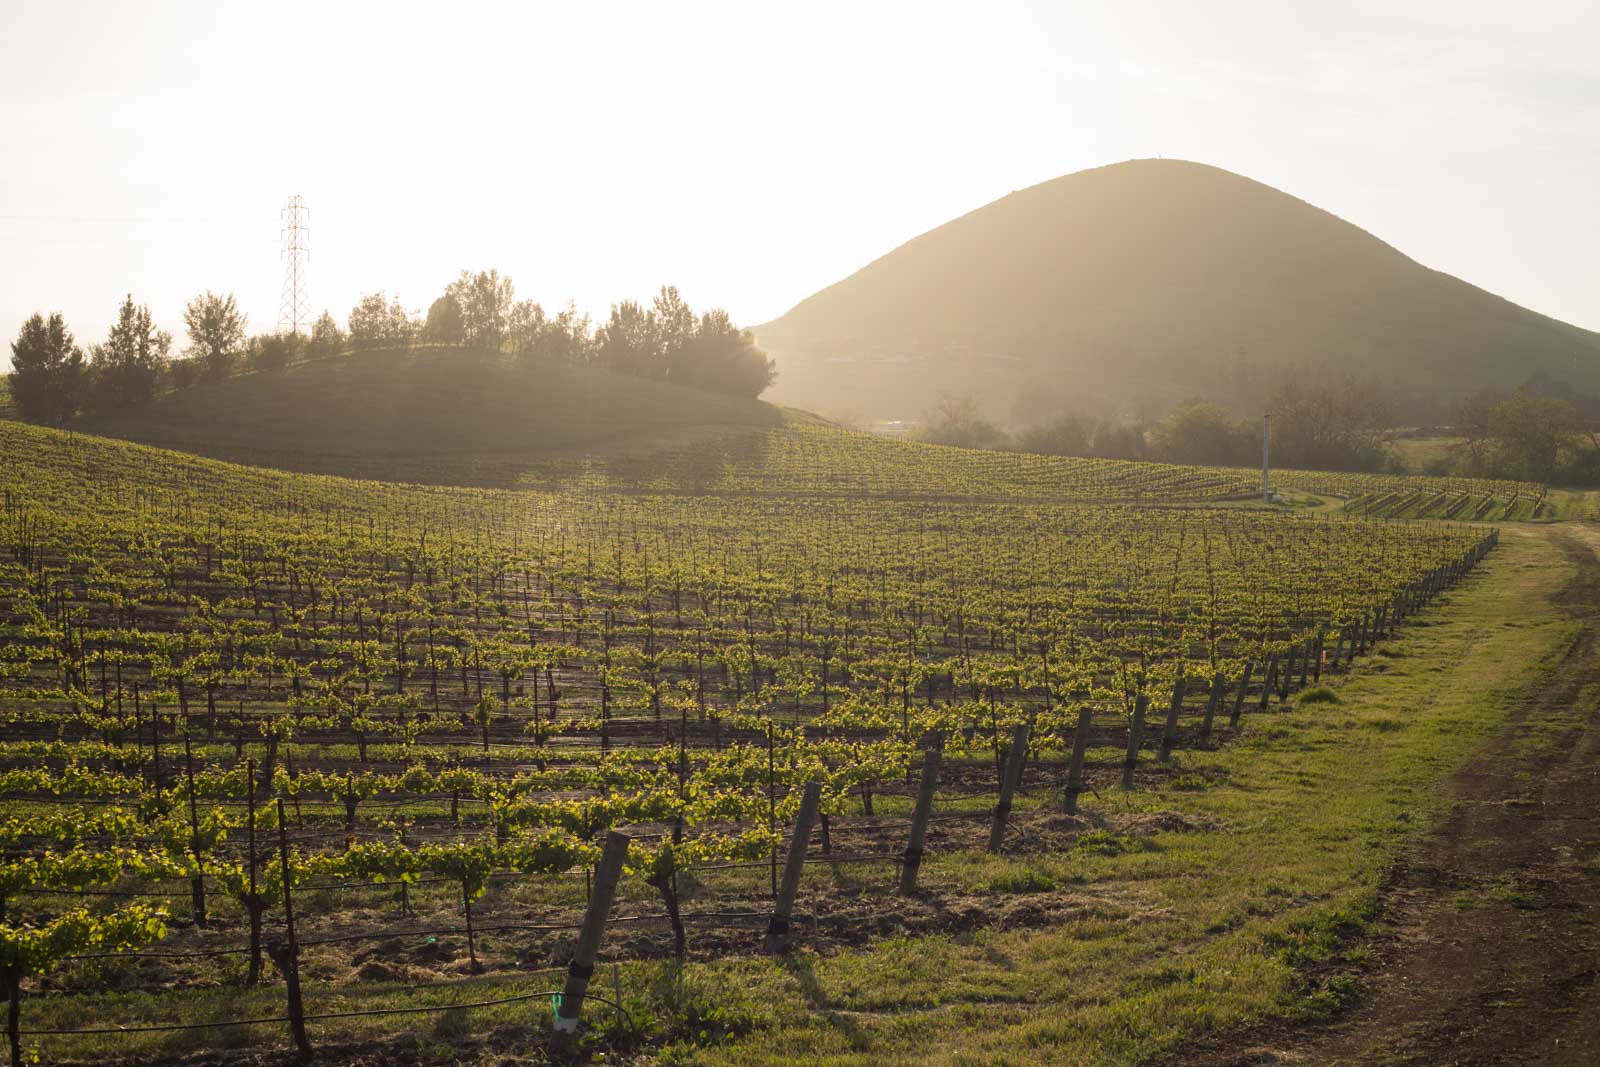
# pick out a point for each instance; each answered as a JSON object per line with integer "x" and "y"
{"x": 396, "y": 415}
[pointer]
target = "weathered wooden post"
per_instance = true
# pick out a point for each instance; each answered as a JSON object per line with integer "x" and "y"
{"x": 1169, "y": 732}
{"x": 287, "y": 954}
{"x": 1317, "y": 653}
{"x": 1080, "y": 746}
{"x": 912, "y": 862}
{"x": 783, "y": 907}
{"x": 581, "y": 969}
{"x": 1008, "y": 786}
{"x": 1135, "y": 735}
{"x": 1219, "y": 688}
{"x": 1238, "y": 700}
{"x": 1270, "y": 681}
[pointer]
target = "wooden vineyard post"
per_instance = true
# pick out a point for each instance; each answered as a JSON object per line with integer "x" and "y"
{"x": 1008, "y": 787}
{"x": 1219, "y": 689}
{"x": 1286, "y": 675}
{"x": 1169, "y": 732}
{"x": 1238, "y": 700}
{"x": 1080, "y": 746}
{"x": 197, "y": 884}
{"x": 581, "y": 969}
{"x": 1317, "y": 653}
{"x": 794, "y": 865}
{"x": 1135, "y": 735}
{"x": 1269, "y": 681}
{"x": 919, "y": 815}
{"x": 253, "y": 902}
{"x": 288, "y": 954}
{"x": 1338, "y": 649}
{"x": 1305, "y": 660}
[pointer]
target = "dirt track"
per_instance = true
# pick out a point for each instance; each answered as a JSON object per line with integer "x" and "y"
{"x": 1491, "y": 953}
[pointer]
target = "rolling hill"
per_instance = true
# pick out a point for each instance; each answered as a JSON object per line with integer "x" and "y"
{"x": 444, "y": 416}
{"x": 1140, "y": 284}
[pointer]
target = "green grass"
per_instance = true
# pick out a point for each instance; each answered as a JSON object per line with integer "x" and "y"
{"x": 1419, "y": 455}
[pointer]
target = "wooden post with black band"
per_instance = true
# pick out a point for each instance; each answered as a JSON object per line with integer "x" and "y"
{"x": 581, "y": 969}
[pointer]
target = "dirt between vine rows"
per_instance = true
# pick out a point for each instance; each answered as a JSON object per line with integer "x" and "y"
{"x": 1492, "y": 947}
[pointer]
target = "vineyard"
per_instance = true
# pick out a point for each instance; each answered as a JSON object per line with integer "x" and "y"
{"x": 348, "y": 737}
{"x": 812, "y": 458}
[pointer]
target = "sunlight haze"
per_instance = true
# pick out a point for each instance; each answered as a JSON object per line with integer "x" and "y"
{"x": 751, "y": 154}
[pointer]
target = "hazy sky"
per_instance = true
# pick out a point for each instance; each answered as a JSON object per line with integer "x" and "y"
{"x": 751, "y": 152}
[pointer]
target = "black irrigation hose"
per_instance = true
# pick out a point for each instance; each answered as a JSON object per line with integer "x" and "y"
{"x": 322, "y": 1016}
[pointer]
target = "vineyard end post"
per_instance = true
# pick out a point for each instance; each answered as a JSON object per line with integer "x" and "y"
{"x": 1080, "y": 746}
{"x": 1169, "y": 732}
{"x": 581, "y": 969}
{"x": 783, "y": 907}
{"x": 912, "y": 861}
{"x": 1135, "y": 735}
{"x": 1008, "y": 786}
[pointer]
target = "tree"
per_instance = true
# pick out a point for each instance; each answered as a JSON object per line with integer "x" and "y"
{"x": 444, "y": 324}
{"x": 1532, "y": 435}
{"x": 1065, "y": 435}
{"x": 1328, "y": 425}
{"x": 571, "y": 336}
{"x": 485, "y": 301}
{"x": 627, "y": 342}
{"x": 376, "y": 321}
{"x": 1202, "y": 433}
{"x": 717, "y": 356}
{"x": 526, "y": 327}
{"x": 1119, "y": 440}
{"x": 326, "y": 337}
{"x": 369, "y": 320}
{"x": 956, "y": 421}
{"x": 1472, "y": 421}
{"x": 46, "y": 371}
{"x": 274, "y": 351}
{"x": 565, "y": 339}
{"x": 674, "y": 329}
{"x": 125, "y": 370}
{"x": 216, "y": 330}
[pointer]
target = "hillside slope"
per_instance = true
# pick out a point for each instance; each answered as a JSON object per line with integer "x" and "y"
{"x": 1144, "y": 283}
{"x": 430, "y": 415}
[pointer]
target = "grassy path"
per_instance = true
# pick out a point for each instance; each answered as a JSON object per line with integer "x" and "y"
{"x": 1492, "y": 952}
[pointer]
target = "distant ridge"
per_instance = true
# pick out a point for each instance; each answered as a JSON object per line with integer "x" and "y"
{"x": 1140, "y": 284}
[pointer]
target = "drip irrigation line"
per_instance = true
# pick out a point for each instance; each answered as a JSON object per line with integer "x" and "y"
{"x": 324, "y": 1016}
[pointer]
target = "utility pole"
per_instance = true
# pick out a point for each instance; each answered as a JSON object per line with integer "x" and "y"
{"x": 295, "y": 307}
{"x": 1266, "y": 467}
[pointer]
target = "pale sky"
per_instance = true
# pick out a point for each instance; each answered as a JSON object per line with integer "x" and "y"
{"x": 750, "y": 152}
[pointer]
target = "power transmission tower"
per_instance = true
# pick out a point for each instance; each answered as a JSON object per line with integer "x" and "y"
{"x": 295, "y": 307}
